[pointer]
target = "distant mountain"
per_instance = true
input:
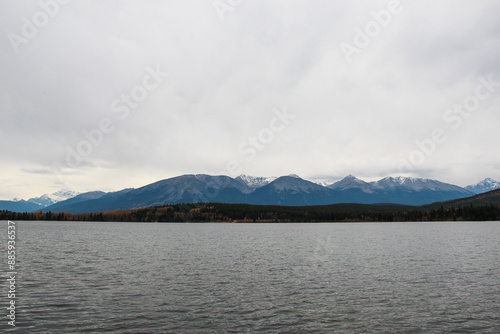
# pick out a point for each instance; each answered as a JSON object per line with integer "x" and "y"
{"x": 255, "y": 182}
{"x": 484, "y": 186}
{"x": 74, "y": 200}
{"x": 37, "y": 203}
{"x": 416, "y": 184}
{"x": 286, "y": 191}
{"x": 398, "y": 190}
{"x": 181, "y": 189}
{"x": 351, "y": 182}
{"x": 100, "y": 204}
{"x": 19, "y": 206}
{"x": 292, "y": 191}
{"x": 58, "y": 196}
{"x": 416, "y": 191}
{"x": 354, "y": 190}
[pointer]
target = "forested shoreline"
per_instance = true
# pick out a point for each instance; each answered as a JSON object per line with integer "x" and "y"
{"x": 219, "y": 212}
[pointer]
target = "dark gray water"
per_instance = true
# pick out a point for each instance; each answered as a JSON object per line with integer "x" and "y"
{"x": 228, "y": 278}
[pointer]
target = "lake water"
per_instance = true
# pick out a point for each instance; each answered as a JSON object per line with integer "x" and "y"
{"x": 243, "y": 278}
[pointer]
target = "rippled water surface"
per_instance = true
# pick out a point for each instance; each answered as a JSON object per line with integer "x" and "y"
{"x": 232, "y": 278}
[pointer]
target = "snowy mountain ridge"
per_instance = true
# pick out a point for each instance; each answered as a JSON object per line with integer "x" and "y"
{"x": 486, "y": 185}
{"x": 415, "y": 184}
{"x": 58, "y": 196}
{"x": 255, "y": 181}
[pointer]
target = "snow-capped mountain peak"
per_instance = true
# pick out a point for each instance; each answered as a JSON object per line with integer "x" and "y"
{"x": 415, "y": 184}
{"x": 486, "y": 185}
{"x": 401, "y": 182}
{"x": 352, "y": 182}
{"x": 255, "y": 182}
{"x": 58, "y": 196}
{"x": 63, "y": 194}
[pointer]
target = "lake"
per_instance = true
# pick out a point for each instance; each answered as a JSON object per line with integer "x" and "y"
{"x": 268, "y": 278}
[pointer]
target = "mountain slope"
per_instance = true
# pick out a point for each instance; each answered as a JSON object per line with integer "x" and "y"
{"x": 414, "y": 191}
{"x": 351, "y": 182}
{"x": 59, "y": 206}
{"x": 181, "y": 189}
{"x": 19, "y": 206}
{"x": 192, "y": 189}
{"x": 354, "y": 190}
{"x": 293, "y": 191}
{"x": 398, "y": 190}
{"x": 416, "y": 184}
{"x": 484, "y": 199}
{"x": 108, "y": 202}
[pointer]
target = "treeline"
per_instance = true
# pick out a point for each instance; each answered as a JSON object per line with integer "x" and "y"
{"x": 466, "y": 213}
{"x": 217, "y": 212}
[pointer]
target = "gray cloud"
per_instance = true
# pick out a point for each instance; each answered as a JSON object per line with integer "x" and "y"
{"x": 226, "y": 77}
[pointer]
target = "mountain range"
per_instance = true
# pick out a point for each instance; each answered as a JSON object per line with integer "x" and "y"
{"x": 288, "y": 190}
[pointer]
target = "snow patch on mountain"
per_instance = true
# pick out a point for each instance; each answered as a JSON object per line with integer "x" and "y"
{"x": 415, "y": 184}
{"x": 321, "y": 182}
{"x": 255, "y": 182}
{"x": 352, "y": 182}
{"x": 58, "y": 196}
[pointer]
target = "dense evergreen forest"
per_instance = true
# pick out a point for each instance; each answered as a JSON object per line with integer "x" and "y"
{"x": 217, "y": 212}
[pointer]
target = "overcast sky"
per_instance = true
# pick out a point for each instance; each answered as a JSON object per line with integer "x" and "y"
{"x": 349, "y": 102}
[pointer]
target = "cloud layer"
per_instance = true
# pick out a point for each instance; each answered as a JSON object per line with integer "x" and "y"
{"x": 226, "y": 78}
